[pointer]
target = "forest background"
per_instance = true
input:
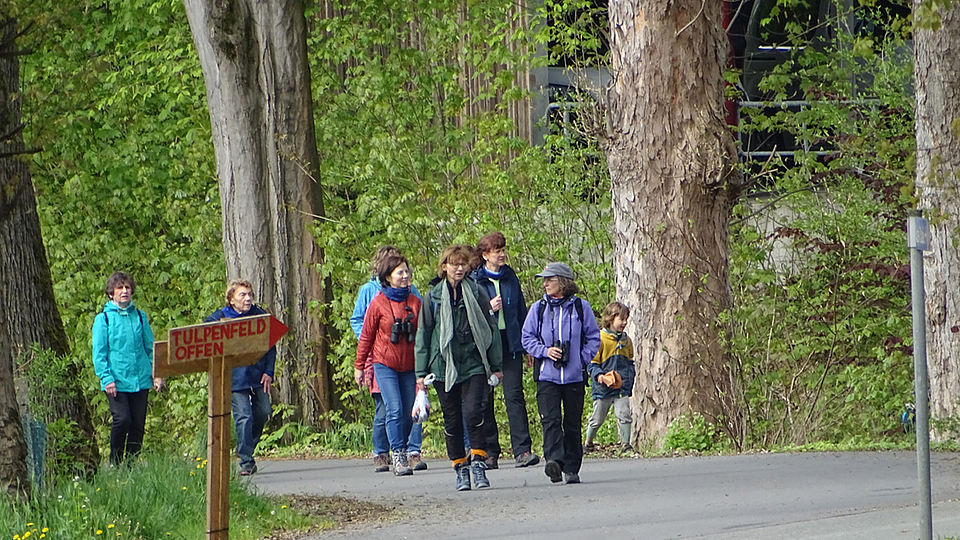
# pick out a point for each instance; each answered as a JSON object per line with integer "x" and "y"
{"x": 819, "y": 332}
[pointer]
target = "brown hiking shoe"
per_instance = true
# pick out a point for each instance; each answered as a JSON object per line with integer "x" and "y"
{"x": 381, "y": 463}
{"x": 415, "y": 462}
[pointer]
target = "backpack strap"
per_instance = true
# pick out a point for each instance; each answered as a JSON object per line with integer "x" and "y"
{"x": 577, "y": 305}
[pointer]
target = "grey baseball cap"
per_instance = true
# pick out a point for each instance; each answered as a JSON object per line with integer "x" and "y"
{"x": 556, "y": 269}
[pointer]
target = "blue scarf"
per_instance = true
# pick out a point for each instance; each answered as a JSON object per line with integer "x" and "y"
{"x": 492, "y": 275}
{"x": 397, "y": 295}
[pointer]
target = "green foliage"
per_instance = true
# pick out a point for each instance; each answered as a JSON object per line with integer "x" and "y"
{"x": 410, "y": 158}
{"x": 115, "y": 97}
{"x": 821, "y": 327}
{"x": 157, "y": 496}
{"x": 691, "y": 432}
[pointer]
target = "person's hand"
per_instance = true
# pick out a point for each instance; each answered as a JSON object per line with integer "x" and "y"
{"x": 554, "y": 353}
{"x": 157, "y": 383}
{"x": 600, "y": 379}
{"x": 499, "y": 375}
{"x": 266, "y": 381}
{"x": 111, "y": 389}
{"x": 496, "y": 303}
{"x": 421, "y": 385}
{"x": 358, "y": 377}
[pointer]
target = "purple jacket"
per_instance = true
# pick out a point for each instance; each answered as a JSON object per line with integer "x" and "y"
{"x": 560, "y": 323}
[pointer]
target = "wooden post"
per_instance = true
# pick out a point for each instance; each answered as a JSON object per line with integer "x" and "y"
{"x": 218, "y": 451}
{"x": 217, "y": 348}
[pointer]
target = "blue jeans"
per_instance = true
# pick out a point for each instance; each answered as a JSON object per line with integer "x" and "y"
{"x": 398, "y": 390}
{"x": 381, "y": 444}
{"x": 251, "y": 411}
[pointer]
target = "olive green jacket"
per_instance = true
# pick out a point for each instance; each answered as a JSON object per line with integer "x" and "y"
{"x": 465, "y": 353}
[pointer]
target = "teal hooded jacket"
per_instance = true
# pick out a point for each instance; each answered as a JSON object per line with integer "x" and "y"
{"x": 123, "y": 348}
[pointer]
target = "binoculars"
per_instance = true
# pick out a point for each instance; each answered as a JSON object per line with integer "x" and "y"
{"x": 564, "y": 346}
{"x": 403, "y": 328}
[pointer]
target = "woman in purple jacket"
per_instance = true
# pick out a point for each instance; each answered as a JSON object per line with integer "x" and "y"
{"x": 562, "y": 335}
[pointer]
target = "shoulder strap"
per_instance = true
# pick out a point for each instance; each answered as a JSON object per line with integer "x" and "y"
{"x": 541, "y": 307}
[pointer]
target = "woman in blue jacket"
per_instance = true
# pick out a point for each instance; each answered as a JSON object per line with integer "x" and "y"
{"x": 123, "y": 361}
{"x": 250, "y": 396}
{"x": 562, "y": 335}
{"x": 506, "y": 300}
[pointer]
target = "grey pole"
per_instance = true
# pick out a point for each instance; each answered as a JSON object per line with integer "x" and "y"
{"x": 917, "y": 240}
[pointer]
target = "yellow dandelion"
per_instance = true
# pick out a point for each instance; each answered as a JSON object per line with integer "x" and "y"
{"x": 110, "y": 526}
{"x": 42, "y": 535}
{"x": 282, "y": 507}
{"x": 16, "y": 537}
{"x": 43, "y": 530}
{"x": 26, "y": 535}
{"x": 29, "y": 524}
{"x": 99, "y": 531}
{"x": 184, "y": 487}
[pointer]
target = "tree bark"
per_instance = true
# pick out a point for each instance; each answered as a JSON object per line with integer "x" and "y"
{"x": 937, "y": 75}
{"x": 254, "y": 60}
{"x": 674, "y": 183}
{"x": 13, "y": 445}
{"x": 27, "y": 302}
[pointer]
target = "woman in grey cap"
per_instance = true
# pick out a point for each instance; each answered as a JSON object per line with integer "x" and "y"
{"x": 561, "y": 334}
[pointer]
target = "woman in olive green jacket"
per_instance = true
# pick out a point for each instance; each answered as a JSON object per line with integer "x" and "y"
{"x": 458, "y": 342}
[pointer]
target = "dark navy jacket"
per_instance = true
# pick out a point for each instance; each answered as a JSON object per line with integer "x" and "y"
{"x": 247, "y": 377}
{"x": 514, "y": 307}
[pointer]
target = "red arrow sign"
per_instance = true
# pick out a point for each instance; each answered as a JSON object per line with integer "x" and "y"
{"x": 239, "y": 342}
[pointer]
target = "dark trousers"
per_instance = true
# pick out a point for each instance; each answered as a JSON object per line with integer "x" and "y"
{"x": 129, "y": 410}
{"x": 463, "y": 404}
{"x": 561, "y": 413}
{"x": 515, "y": 403}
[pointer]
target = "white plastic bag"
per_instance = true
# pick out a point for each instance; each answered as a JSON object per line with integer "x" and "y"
{"x": 421, "y": 405}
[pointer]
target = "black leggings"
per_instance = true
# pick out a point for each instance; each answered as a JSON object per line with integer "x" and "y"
{"x": 129, "y": 411}
{"x": 466, "y": 400}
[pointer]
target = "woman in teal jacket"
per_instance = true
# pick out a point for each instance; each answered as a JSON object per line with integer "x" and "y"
{"x": 123, "y": 361}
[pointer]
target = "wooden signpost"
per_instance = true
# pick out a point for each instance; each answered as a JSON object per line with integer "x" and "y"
{"x": 217, "y": 348}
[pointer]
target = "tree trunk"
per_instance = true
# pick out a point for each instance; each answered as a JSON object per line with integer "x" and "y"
{"x": 13, "y": 446}
{"x": 254, "y": 60}
{"x": 937, "y": 74}
{"x": 672, "y": 167}
{"x": 27, "y": 303}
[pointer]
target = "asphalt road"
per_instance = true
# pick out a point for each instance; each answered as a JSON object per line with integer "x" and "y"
{"x": 856, "y": 495}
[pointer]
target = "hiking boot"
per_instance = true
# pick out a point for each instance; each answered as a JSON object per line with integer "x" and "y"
{"x": 491, "y": 463}
{"x": 400, "y": 467}
{"x": 248, "y": 470}
{"x": 479, "y": 470}
{"x": 463, "y": 477}
{"x": 527, "y": 459}
{"x": 589, "y": 446}
{"x": 626, "y": 448}
{"x": 381, "y": 463}
{"x": 415, "y": 462}
{"x": 552, "y": 470}
{"x": 571, "y": 478}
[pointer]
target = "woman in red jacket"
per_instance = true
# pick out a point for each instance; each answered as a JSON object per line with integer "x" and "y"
{"x": 387, "y": 338}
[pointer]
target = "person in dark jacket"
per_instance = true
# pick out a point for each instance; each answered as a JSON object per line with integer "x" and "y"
{"x": 457, "y": 343}
{"x": 123, "y": 361}
{"x": 506, "y": 300}
{"x": 561, "y": 333}
{"x": 250, "y": 396}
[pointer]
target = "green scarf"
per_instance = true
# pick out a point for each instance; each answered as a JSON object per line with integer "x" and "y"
{"x": 482, "y": 336}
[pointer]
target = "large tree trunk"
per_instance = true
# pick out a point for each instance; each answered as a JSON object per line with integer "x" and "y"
{"x": 937, "y": 74}
{"x": 672, "y": 167}
{"x": 13, "y": 446}
{"x": 254, "y": 60}
{"x": 27, "y": 303}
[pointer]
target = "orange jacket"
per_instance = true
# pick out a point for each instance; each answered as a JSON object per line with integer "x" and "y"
{"x": 375, "y": 343}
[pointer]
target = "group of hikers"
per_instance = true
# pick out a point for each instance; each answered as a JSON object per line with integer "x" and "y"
{"x": 470, "y": 332}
